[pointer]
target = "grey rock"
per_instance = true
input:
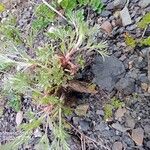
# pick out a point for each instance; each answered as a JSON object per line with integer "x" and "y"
{"x": 101, "y": 127}
{"x": 75, "y": 120}
{"x": 140, "y": 63}
{"x": 116, "y": 4}
{"x": 107, "y": 72}
{"x": 5, "y": 14}
{"x": 84, "y": 125}
{"x": 119, "y": 127}
{"x": 130, "y": 122}
{"x": 100, "y": 112}
{"x": 147, "y": 129}
{"x": 117, "y": 54}
{"x": 128, "y": 140}
{"x": 144, "y": 51}
{"x": 105, "y": 1}
{"x": 144, "y": 3}
{"x": 147, "y": 32}
{"x": 125, "y": 16}
{"x": 74, "y": 144}
{"x": 119, "y": 4}
{"x": 135, "y": 1}
{"x": 134, "y": 73}
{"x": 123, "y": 57}
{"x": 131, "y": 27}
{"x": 110, "y": 6}
{"x": 126, "y": 86}
{"x": 143, "y": 78}
{"x": 105, "y": 13}
{"x": 148, "y": 144}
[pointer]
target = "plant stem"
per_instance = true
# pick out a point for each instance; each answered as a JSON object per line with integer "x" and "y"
{"x": 53, "y": 9}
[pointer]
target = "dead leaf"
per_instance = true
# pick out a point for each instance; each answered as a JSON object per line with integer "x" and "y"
{"x": 19, "y": 117}
{"x": 119, "y": 127}
{"x": 138, "y": 135}
{"x": 107, "y": 27}
{"x": 120, "y": 113}
{"x": 81, "y": 87}
{"x": 81, "y": 110}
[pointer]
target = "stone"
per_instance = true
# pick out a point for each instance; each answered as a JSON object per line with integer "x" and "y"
{"x": 144, "y": 86}
{"x": 128, "y": 141}
{"x": 101, "y": 127}
{"x": 110, "y": 6}
{"x": 135, "y": 1}
{"x": 147, "y": 129}
{"x": 106, "y": 27}
{"x": 144, "y": 3}
{"x": 147, "y": 32}
{"x": 105, "y": 13}
{"x": 81, "y": 110}
{"x": 131, "y": 27}
{"x": 125, "y": 16}
{"x": 148, "y": 144}
{"x": 120, "y": 113}
{"x": 37, "y": 133}
{"x": 74, "y": 143}
{"x": 126, "y": 86}
{"x": 133, "y": 73}
{"x": 84, "y": 125}
{"x": 116, "y": 5}
{"x": 123, "y": 57}
{"x": 107, "y": 72}
{"x": 149, "y": 89}
{"x": 140, "y": 63}
{"x": 117, "y": 146}
{"x": 100, "y": 112}
{"x": 130, "y": 122}
{"x": 19, "y": 117}
{"x": 76, "y": 120}
{"x": 143, "y": 78}
{"x": 119, "y": 4}
{"x": 104, "y": 1}
{"x": 119, "y": 127}
{"x": 138, "y": 135}
{"x": 144, "y": 51}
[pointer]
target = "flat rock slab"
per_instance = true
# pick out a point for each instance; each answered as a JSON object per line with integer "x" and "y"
{"x": 144, "y": 3}
{"x": 107, "y": 72}
{"x": 125, "y": 16}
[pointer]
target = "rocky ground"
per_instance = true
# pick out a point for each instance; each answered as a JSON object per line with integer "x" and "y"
{"x": 124, "y": 75}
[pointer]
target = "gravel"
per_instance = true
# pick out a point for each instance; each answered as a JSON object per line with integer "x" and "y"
{"x": 112, "y": 75}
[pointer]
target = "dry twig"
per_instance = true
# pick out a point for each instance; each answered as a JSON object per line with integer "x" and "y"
{"x": 85, "y": 139}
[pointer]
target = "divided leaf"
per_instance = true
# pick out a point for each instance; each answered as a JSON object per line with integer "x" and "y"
{"x": 145, "y": 21}
{"x": 130, "y": 41}
{"x": 2, "y": 7}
